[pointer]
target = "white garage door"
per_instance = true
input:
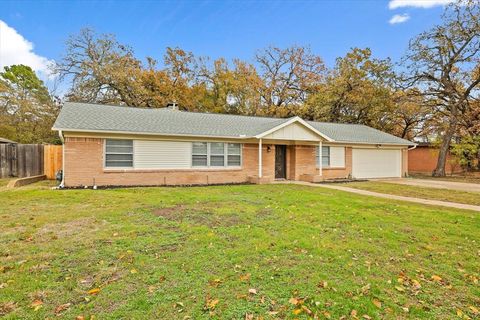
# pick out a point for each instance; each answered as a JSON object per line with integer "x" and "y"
{"x": 376, "y": 163}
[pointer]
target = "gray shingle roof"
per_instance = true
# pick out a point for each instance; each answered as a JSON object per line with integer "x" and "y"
{"x": 106, "y": 118}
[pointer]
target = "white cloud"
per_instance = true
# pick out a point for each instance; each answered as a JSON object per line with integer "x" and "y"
{"x": 394, "y": 4}
{"x": 15, "y": 49}
{"x": 399, "y": 18}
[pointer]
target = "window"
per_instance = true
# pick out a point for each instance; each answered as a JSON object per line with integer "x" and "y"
{"x": 234, "y": 156}
{"x": 118, "y": 153}
{"x": 199, "y": 154}
{"x": 325, "y": 156}
{"x": 216, "y": 154}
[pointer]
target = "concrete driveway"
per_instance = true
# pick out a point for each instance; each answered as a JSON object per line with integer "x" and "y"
{"x": 449, "y": 185}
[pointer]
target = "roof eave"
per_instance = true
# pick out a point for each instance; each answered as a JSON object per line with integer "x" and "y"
{"x": 152, "y": 133}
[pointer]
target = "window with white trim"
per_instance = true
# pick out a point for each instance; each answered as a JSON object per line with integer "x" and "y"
{"x": 199, "y": 154}
{"x": 216, "y": 154}
{"x": 234, "y": 155}
{"x": 325, "y": 156}
{"x": 118, "y": 153}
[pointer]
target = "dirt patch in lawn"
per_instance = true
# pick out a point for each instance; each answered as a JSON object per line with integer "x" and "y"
{"x": 68, "y": 229}
{"x": 202, "y": 214}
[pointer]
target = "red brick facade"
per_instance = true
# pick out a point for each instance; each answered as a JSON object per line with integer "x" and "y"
{"x": 423, "y": 159}
{"x": 84, "y": 158}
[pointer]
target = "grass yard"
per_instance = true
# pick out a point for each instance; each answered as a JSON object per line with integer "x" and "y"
{"x": 233, "y": 252}
{"x": 4, "y": 182}
{"x": 418, "y": 192}
{"x": 455, "y": 178}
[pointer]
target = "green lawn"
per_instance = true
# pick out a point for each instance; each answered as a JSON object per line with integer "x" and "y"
{"x": 228, "y": 252}
{"x": 4, "y": 182}
{"x": 418, "y": 192}
{"x": 455, "y": 178}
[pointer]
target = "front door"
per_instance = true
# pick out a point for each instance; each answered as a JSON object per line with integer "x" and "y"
{"x": 280, "y": 162}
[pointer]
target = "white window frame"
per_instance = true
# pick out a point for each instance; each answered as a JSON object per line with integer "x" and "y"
{"x": 209, "y": 149}
{"x": 105, "y": 155}
{"x": 192, "y": 154}
{"x": 318, "y": 157}
{"x": 225, "y": 156}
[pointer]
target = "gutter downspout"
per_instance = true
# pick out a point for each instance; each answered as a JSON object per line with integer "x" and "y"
{"x": 62, "y": 183}
{"x": 414, "y": 146}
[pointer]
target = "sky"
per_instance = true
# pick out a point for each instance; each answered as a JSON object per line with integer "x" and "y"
{"x": 34, "y": 32}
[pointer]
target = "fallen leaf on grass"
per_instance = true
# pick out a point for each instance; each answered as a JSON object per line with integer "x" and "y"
{"x": 210, "y": 304}
{"x": 252, "y": 291}
{"x": 62, "y": 308}
{"x": 245, "y": 277}
{"x": 36, "y": 304}
{"x": 133, "y": 271}
{"x": 215, "y": 282}
{"x": 94, "y": 291}
{"x": 401, "y": 289}
{"x": 7, "y": 307}
{"x": 297, "y": 311}
{"x": 474, "y": 310}
{"x": 377, "y": 303}
{"x": 436, "y": 278}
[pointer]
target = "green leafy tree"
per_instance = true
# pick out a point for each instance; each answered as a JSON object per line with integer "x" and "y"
{"x": 27, "y": 110}
{"x": 444, "y": 64}
{"x": 357, "y": 90}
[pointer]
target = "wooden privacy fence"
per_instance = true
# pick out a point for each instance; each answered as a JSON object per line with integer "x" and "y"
{"x": 21, "y": 160}
{"x": 26, "y": 160}
{"x": 52, "y": 160}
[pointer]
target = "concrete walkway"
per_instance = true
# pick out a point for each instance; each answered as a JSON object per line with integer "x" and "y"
{"x": 438, "y": 184}
{"x": 388, "y": 196}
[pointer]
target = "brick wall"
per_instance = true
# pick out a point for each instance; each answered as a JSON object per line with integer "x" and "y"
{"x": 84, "y": 160}
{"x": 339, "y": 173}
{"x": 84, "y": 163}
{"x": 424, "y": 160}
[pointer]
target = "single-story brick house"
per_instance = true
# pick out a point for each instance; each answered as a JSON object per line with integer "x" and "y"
{"x": 116, "y": 145}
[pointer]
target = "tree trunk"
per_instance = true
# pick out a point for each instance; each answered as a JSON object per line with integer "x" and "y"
{"x": 444, "y": 148}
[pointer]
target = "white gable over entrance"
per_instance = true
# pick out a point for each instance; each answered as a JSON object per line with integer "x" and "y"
{"x": 294, "y": 129}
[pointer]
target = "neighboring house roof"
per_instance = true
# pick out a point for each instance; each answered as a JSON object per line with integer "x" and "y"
{"x": 120, "y": 119}
{"x": 3, "y": 140}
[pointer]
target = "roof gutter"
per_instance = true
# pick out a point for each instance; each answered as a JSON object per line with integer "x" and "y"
{"x": 153, "y": 134}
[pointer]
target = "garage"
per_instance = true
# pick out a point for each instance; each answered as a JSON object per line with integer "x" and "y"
{"x": 376, "y": 163}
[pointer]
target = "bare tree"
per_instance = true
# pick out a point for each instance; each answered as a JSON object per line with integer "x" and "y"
{"x": 289, "y": 75}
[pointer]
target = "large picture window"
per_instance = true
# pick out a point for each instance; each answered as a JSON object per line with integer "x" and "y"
{"x": 118, "y": 153}
{"x": 216, "y": 154}
{"x": 325, "y": 156}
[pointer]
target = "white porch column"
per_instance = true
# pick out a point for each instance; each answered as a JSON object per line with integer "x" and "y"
{"x": 320, "y": 169}
{"x": 260, "y": 158}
